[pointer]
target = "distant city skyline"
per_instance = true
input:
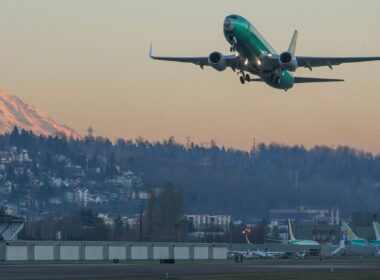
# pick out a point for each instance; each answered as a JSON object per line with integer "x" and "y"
{"x": 85, "y": 63}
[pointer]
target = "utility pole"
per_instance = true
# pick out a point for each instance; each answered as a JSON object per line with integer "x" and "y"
{"x": 254, "y": 145}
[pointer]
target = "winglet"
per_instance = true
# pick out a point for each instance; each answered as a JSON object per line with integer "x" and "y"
{"x": 150, "y": 50}
{"x": 293, "y": 43}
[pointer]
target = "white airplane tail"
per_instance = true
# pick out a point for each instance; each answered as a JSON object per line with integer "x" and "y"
{"x": 291, "y": 235}
{"x": 350, "y": 234}
{"x": 293, "y": 43}
{"x": 246, "y": 238}
{"x": 376, "y": 227}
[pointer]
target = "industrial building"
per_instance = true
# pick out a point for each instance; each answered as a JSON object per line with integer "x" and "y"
{"x": 10, "y": 226}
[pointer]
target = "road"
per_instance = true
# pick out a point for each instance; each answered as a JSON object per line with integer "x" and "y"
{"x": 93, "y": 271}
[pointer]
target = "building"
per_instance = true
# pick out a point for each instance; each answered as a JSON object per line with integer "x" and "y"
{"x": 305, "y": 216}
{"x": 210, "y": 222}
{"x": 81, "y": 196}
{"x": 10, "y": 226}
{"x": 107, "y": 220}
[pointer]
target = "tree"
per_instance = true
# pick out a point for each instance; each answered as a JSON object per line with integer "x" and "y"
{"x": 2, "y": 210}
{"x": 170, "y": 211}
{"x": 14, "y": 137}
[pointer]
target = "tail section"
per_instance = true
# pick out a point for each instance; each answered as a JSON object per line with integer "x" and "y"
{"x": 349, "y": 232}
{"x": 246, "y": 238}
{"x": 291, "y": 235}
{"x": 293, "y": 43}
{"x": 376, "y": 227}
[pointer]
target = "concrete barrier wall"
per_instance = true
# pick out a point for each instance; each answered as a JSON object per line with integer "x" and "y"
{"x": 81, "y": 251}
{"x": 201, "y": 252}
{"x": 117, "y": 252}
{"x": 44, "y": 253}
{"x": 139, "y": 252}
{"x": 160, "y": 252}
{"x": 69, "y": 253}
{"x": 93, "y": 252}
{"x": 219, "y": 253}
{"x": 181, "y": 252}
{"x": 16, "y": 253}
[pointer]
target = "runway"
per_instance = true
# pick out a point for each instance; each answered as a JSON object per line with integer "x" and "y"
{"x": 94, "y": 271}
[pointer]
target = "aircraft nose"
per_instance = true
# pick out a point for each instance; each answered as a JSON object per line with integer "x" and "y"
{"x": 228, "y": 23}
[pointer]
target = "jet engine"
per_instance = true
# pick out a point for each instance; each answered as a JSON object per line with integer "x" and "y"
{"x": 217, "y": 61}
{"x": 288, "y": 62}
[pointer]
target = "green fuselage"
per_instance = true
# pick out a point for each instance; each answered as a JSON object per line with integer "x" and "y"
{"x": 303, "y": 242}
{"x": 359, "y": 242}
{"x": 252, "y": 48}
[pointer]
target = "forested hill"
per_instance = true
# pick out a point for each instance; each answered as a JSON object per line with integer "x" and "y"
{"x": 220, "y": 181}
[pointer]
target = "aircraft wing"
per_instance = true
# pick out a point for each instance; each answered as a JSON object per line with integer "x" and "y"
{"x": 231, "y": 60}
{"x": 310, "y": 62}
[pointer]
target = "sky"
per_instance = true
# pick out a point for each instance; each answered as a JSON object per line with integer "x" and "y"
{"x": 84, "y": 62}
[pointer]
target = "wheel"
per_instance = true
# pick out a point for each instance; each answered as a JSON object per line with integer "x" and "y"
{"x": 242, "y": 80}
{"x": 247, "y": 78}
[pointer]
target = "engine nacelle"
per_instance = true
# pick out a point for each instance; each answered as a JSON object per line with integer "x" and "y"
{"x": 217, "y": 61}
{"x": 288, "y": 62}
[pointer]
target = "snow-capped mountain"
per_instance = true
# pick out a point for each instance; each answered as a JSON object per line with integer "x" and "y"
{"x": 15, "y": 112}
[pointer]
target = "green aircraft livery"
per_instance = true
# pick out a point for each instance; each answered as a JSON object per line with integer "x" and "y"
{"x": 376, "y": 227}
{"x": 353, "y": 239}
{"x": 292, "y": 240}
{"x": 254, "y": 55}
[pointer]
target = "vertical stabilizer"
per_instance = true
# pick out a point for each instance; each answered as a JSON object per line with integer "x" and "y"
{"x": 291, "y": 235}
{"x": 350, "y": 234}
{"x": 376, "y": 227}
{"x": 293, "y": 43}
{"x": 246, "y": 238}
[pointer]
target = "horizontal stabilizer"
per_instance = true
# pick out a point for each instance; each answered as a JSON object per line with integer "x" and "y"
{"x": 301, "y": 80}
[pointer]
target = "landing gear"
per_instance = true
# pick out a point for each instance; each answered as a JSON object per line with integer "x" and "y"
{"x": 244, "y": 77}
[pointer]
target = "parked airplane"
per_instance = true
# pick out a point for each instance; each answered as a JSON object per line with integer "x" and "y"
{"x": 266, "y": 254}
{"x": 353, "y": 239}
{"x": 263, "y": 254}
{"x": 350, "y": 237}
{"x": 376, "y": 227}
{"x": 292, "y": 240}
{"x": 256, "y": 56}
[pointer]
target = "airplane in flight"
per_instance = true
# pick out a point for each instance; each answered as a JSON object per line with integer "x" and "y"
{"x": 254, "y": 55}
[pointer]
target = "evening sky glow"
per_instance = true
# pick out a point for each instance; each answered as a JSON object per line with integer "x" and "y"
{"x": 85, "y": 62}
